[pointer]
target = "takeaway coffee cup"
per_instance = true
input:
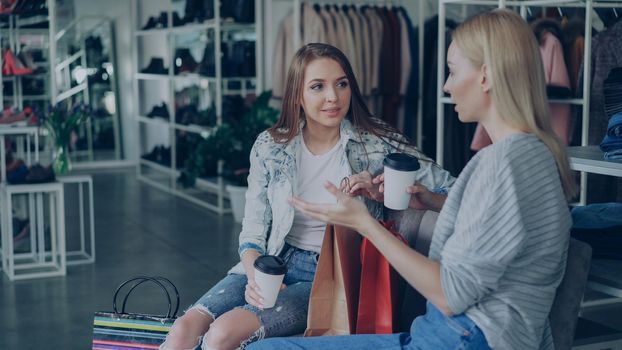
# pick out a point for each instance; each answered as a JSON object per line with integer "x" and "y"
{"x": 269, "y": 273}
{"x": 399, "y": 173}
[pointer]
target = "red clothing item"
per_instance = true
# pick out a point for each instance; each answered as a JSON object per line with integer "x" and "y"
{"x": 555, "y": 73}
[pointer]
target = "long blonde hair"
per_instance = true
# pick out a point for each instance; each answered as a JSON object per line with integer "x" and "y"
{"x": 503, "y": 41}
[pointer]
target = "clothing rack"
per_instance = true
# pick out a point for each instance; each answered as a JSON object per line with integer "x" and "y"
{"x": 589, "y": 5}
{"x": 297, "y": 5}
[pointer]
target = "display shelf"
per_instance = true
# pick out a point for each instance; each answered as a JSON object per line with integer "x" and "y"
{"x": 147, "y": 76}
{"x": 209, "y": 24}
{"x": 157, "y": 166}
{"x": 193, "y": 128}
{"x": 590, "y": 159}
{"x": 210, "y": 90}
{"x": 153, "y": 121}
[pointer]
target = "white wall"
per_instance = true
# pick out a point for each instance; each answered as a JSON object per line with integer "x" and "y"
{"x": 119, "y": 11}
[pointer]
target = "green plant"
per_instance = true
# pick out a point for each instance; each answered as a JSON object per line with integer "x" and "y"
{"x": 231, "y": 142}
{"x": 60, "y": 123}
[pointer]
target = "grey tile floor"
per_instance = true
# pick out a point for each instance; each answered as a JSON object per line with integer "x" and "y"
{"x": 139, "y": 231}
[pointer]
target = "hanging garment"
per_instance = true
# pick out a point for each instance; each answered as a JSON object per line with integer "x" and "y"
{"x": 348, "y": 35}
{"x": 313, "y": 30}
{"x": 341, "y": 43}
{"x": 390, "y": 70}
{"x": 283, "y": 53}
{"x": 376, "y": 28}
{"x": 329, "y": 26}
{"x": 359, "y": 42}
{"x": 368, "y": 47}
{"x": 574, "y": 31}
{"x": 555, "y": 74}
{"x": 411, "y": 96}
{"x": 406, "y": 70}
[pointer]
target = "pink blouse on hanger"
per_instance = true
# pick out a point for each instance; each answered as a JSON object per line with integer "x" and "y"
{"x": 555, "y": 74}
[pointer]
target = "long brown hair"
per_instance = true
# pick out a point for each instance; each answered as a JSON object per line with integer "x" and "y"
{"x": 503, "y": 41}
{"x": 287, "y": 127}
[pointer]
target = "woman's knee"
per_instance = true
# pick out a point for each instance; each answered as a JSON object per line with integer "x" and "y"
{"x": 187, "y": 330}
{"x": 231, "y": 330}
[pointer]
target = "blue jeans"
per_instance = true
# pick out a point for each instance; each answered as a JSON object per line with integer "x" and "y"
{"x": 289, "y": 314}
{"x": 432, "y": 331}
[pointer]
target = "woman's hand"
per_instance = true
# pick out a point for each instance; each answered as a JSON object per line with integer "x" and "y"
{"x": 361, "y": 184}
{"x": 252, "y": 293}
{"x": 348, "y": 211}
{"x": 420, "y": 196}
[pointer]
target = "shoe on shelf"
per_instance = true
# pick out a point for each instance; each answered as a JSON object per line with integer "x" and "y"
{"x": 160, "y": 155}
{"x": 16, "y": 172}
{"x": 25, "y": 57}
{"x": 159, "y": 111}
{"x": 9, "y": 117}
{"x": 198, "y": 10}
{"x": 156, "y": 66}
{"x": 33, "y": 86}
{"x": 185, "y": 115}
{"x": 40, "y": 174}
{"x": 178, "y": 21}
{"x": 184, "y": 62}
{"x": 7, "y": 6}
{"x": 99, "y": 77}
{"x": 26, "y": 8}
{"x": 93, "y": 43}
{"x": 157, "y": 22}
{"x": 151, "y": 24}
{"x": 11, "y": 65}
{"x": 207, "y": 67}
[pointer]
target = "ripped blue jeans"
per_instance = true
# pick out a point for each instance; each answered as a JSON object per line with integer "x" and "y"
{"x": 289, "y": 315}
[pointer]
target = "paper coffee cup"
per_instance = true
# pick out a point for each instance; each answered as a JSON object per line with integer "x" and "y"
{"x": 399, "y": 173}
{"x": 269, "y": 273}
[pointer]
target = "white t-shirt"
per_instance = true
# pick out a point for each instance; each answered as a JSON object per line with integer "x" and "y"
{"x": 313, "y": 171}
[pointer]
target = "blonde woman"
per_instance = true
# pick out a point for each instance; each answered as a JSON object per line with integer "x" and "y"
{"x": 500, "y": 243}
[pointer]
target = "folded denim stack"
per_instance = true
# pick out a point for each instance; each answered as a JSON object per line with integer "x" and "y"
{"x": 612, "y": 143}
{"x": 599, "y": 225}
{"x": 612, "y": 88}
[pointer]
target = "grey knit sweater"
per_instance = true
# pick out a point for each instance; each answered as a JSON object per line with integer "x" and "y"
{"x": 502, "y": 239}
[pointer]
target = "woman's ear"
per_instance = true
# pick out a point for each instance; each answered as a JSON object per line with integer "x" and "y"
{"x": 485, "y": 81}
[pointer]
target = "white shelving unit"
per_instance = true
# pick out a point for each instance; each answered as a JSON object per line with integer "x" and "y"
{"x": 522, "y": 6}
{"x": 69, "y": 57}
{"x": 208, "y": 192}
{"x": 14, "y": 32}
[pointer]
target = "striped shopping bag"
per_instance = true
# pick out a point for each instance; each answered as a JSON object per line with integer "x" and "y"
{"x": 131, "y": 331}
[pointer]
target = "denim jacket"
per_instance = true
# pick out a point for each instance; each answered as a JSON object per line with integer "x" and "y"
{"x": 268, "y": 217}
